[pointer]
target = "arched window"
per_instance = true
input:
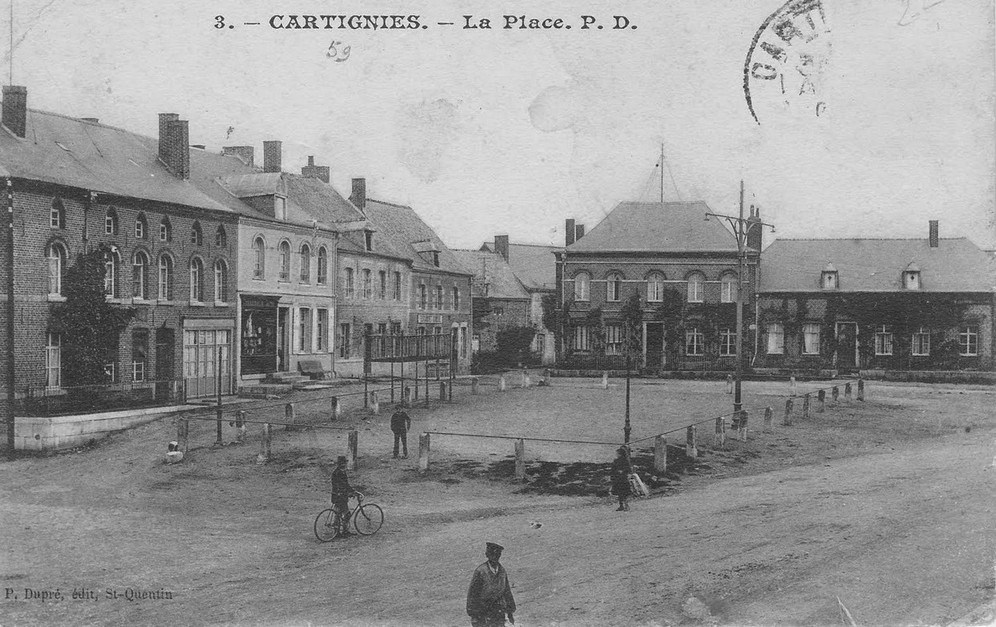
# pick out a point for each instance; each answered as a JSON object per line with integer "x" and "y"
{"x": 220, "y": 281}
{"x": 696, "y": 287}
{"x": 613, "y": 287}
{"x": 582, "y": 284}
{"x": 220, "y": 237}
{"x": 367, "y": 283}
{"x": 111, "y": 222}
{"x": 382, "y": 284}
{"x": 323, "y": 266}
{"x": 112, "y": 261}
{"x": 284, "y": 250}
{"x": 456, "y": 298}
{"x": 305, "y": 263}
{"x": 165, "y": 231}
{"x": 141, "y": 227}
{"x": 350, "y": 283}
{"x": 728, "y": 294}
{"x": 196, "y": 235}
{"x": 423, "y": 297}
{"x": 655, "y": 287}
{"x": 439, "y": 297}
{"x": 259, "y": 252}
{"x": 57, "y": 257}
{"x": 196, "y": 280}
{"x": 58, "y": 216}
{"x": 140, "y": 275}
{"x": 165, "y": 278}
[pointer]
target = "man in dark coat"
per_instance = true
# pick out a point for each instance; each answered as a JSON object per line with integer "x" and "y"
{"x": 341, "y": 491}
{"x": 489, "y": 598}
{"x": 400, "y": 424}
{"x": 620, "y": 478}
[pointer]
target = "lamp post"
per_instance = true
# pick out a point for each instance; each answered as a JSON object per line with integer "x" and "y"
{"x": 741, "y": 229}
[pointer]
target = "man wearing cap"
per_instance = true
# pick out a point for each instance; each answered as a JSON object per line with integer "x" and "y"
{"x": 401, "y": 422}
{"x": 341, "y": 491}
{"x": 489, "y": 598}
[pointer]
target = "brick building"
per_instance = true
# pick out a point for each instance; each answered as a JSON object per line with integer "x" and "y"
{"x": 682, "y": 268}
{"x": 535, "y": 267}
{"x": 500, "y": 300}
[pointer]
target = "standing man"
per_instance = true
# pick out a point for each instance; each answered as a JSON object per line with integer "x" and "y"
{"x": 489, "y": 598}
{"x": 400, "y": 424}
{"x": 620, "y": 478}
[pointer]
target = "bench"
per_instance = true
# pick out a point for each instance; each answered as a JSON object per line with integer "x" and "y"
{"x": 313, "y": 369}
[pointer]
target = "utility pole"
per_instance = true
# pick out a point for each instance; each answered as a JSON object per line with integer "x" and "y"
{"x": 11, "y": 362}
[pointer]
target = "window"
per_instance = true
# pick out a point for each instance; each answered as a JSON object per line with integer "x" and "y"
{"x": 165, "y": 278}
{"x": 343, "y": 340}
{"x": 694, "y": 342}
{"x": 582, "y": 338}
{"x": 323, "y": 266}
{"x": 776, "y": 338}
{"x": 196, "y": 280}
{"x": 464, "y": 347}
{"x": 350, "y": 283}
{"x": 53, "y": 360}
{"x": 968, "y": 341}
{"x": 613, "y": 287}
{"x": 165, "y": 231}
{"x": 728, "y": 293}
{"x": 696, "y": 283}
{"x": 920, "y": 343}
{"x": 140, "y": 227}
{"x": 727, "y": 343}
{"x": 140, "y": 275}
{"x": 323, "y": 329}
{"x": 613, "y": 339}
{"x": 58, "y": 215}
{"x": 284, "y": 250}
{"x": 883, "y": 340}
{"x": 259, "y": 251}
{"x": 220, "y": 237}
{"x": 220, "y": 281}
{"x": 111, "y": 263}
{"x": 456, "y": 298}
{"x": 439, "y": 297}
{"x": 911, "y": 279}
{"x": 111, "y": 362}
{"x": 382, "y": 285}
{"x": 811, "y": 338}
{"x": 111, "y": 222}
{"x": 304, "y": 330}
{"x": 828, "y": 280}
{"x": 280, "y": 208}
{"x": 540, "y": 343}
{"x": 367, "y": 283}
{"x": 381, "y": 328}
{"x": 655, "y": 288}
{"x": 397, "y": 286}
{"x": 435, "y": 258}
{"x": 423, "y": 297}
{"x": 196, "y": 235}
{"x": 139, "y": 354}
{"x": 368, "y": 240}
{"x": 582, "y": 283}
{"x": 305, "y": 263}
{"x": 395, "y": 328}
{"x": 56, "y": 267}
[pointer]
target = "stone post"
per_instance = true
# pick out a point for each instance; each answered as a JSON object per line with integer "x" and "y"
{"x": 501, "y": 383}
{"x": 847, "y": 391}
{"x": 690, "y": 449}
{"x": 660, "y": 454}
{"x": 423, "y": 452}
{"x": 525, "y": 378}
{"x": 805, "y": 406}
{"x": 520, "y": 460}
{"x": 729, "y": 384}
{"x": 742, "y": 426}
{"x": 792, "y": 386}
{"x": 768, "y": 428}
{"x": 721, "y": 431}
{"x": 475, "y": 385}
{"x": 835, "y": 394}
{"x": 861, "y": 389}
{"x": 406, "y": 396}
{"x": 265, "y": 445}
{"x": 788, "y": 412}
{"x": 289, "y": 416}
{"x": 821, "y": 396}
{"x": 442, "y": 390}
{"x": 336, "y": 409}
{"x": 183, "y": 433}
{"x": 240, "y": 426}
{"x": 351, "y": 453}
{"x": 605, "y": 380}
{"x": 374, "y": 403}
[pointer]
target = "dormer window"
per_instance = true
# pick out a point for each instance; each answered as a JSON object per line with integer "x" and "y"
{"x": 435, "y": 258}
{"x": 828, "y": 281}
{"x": 911, "y": 277}
{"x": 279, "y": 207}
{"x": 368, "y": 240}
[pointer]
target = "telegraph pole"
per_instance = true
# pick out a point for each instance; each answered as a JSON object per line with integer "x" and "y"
{"x": 11, "y": 362}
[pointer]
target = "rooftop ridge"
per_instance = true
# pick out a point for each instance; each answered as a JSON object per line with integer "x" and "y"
{"x": 864, "y": 239}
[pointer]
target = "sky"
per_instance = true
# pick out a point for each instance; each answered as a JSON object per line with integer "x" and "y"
{"x": 886, "y": 120}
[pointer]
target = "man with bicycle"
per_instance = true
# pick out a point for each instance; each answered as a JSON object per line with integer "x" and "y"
{"x": 341, "y": 491}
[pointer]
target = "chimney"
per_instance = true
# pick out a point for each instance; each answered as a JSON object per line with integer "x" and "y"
{"x": 933, "y": 234}
{"x": 312, "y": 171}
{"x": 569, "y": 232}
{"x": 359, "y": 195}
{"x": 578, "y": 232}
{"x": 174, "y": 144}
{"x": 271, "y": 156}
{"x": 501, "y": 246}
{"x": 755, "y": 232}
{"x": 164, "y": 120}
{"x": 246, "y": 153}
{"x": 15, "y": 109}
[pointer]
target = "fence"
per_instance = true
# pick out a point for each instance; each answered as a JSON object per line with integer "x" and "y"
{"x": 47, "y": 402}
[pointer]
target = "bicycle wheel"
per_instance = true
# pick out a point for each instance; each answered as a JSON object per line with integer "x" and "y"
{"x": 367, "y": 519}
{"x": 326, "y": 525}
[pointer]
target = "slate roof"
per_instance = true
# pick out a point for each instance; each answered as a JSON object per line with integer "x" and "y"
{"x": 491, "y": 270}
{"x": 402, "y": 228}
{"x": 671, "y": 227}
{"x": 534, "y": 265}
{"x": 875, "y": 265}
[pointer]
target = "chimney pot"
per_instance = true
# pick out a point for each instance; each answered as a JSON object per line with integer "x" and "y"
{"x": 578, "y": 232}
{"x": 272, "y": 156}
{"x": 15, "y": 109}
{"x": 501, "y": 246}
{"x": 245, "y": 153}
{"x": 934, "y": 239}
{"x": 311, "y": 160}
{"x": 359, "y": 195}
{"x": 312, "y": 171}
{"x": 569, "y": 232}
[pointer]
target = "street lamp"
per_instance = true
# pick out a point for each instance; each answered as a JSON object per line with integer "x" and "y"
{"x": 741, "y": 229}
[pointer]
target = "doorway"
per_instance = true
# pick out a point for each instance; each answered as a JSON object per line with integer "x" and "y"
{"x": 283, "y": 340}
{"x": 655, "y": 346}
{"x": 165, "y": 360}
{"x": 846, "y": 356}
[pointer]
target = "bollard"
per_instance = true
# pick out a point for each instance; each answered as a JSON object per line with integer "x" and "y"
{"x": 501, "y": 383}
{"x": 423, "y": 452}
{"x": 847, "y": 391}
{"x": 861, "y": 389}
{"x": 520, "y": 460}
{"x": 792, "y": 386}
{"x": 690, "y": 450}
{"x": 406, "y": 397}
{"x": 525, "y": 378}
{"x": 660, "y": 454}
{"x": 240, "y": 425}
{"x": 336, "y": 410}
{"x": 353, "y": 444}
{"x": 605, "y": 380}
{"x": 721, "y": 431}
{"x": 729, "y": 384}
{"x": 835, "y": 394}
{"x": 788, "y": 412}
{"x": 767, "y": 420}
{"x": 821, "y": 396}
{"x": 264, "y": 445}
{"x": 442, "y": 390}
{"x": 475, "y": 385}
{"x": 742, "y": 426}
{"x": 374, "y": 403}
{"x": 182, "y": 431}
{"x": 805, "y": 406}
{"x": 289, "y": 416}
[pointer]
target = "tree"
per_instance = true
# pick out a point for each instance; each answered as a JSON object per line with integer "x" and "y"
{"x": 632, "y": 319}
{"x": 91, "y": 324}
{"x": 514, "y": 342}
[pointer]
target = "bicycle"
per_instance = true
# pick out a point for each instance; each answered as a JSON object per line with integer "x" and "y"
{"x": 367, "y": 519}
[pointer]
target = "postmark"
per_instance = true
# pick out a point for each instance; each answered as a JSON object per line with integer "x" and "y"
{"x": 787, "y": 62}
